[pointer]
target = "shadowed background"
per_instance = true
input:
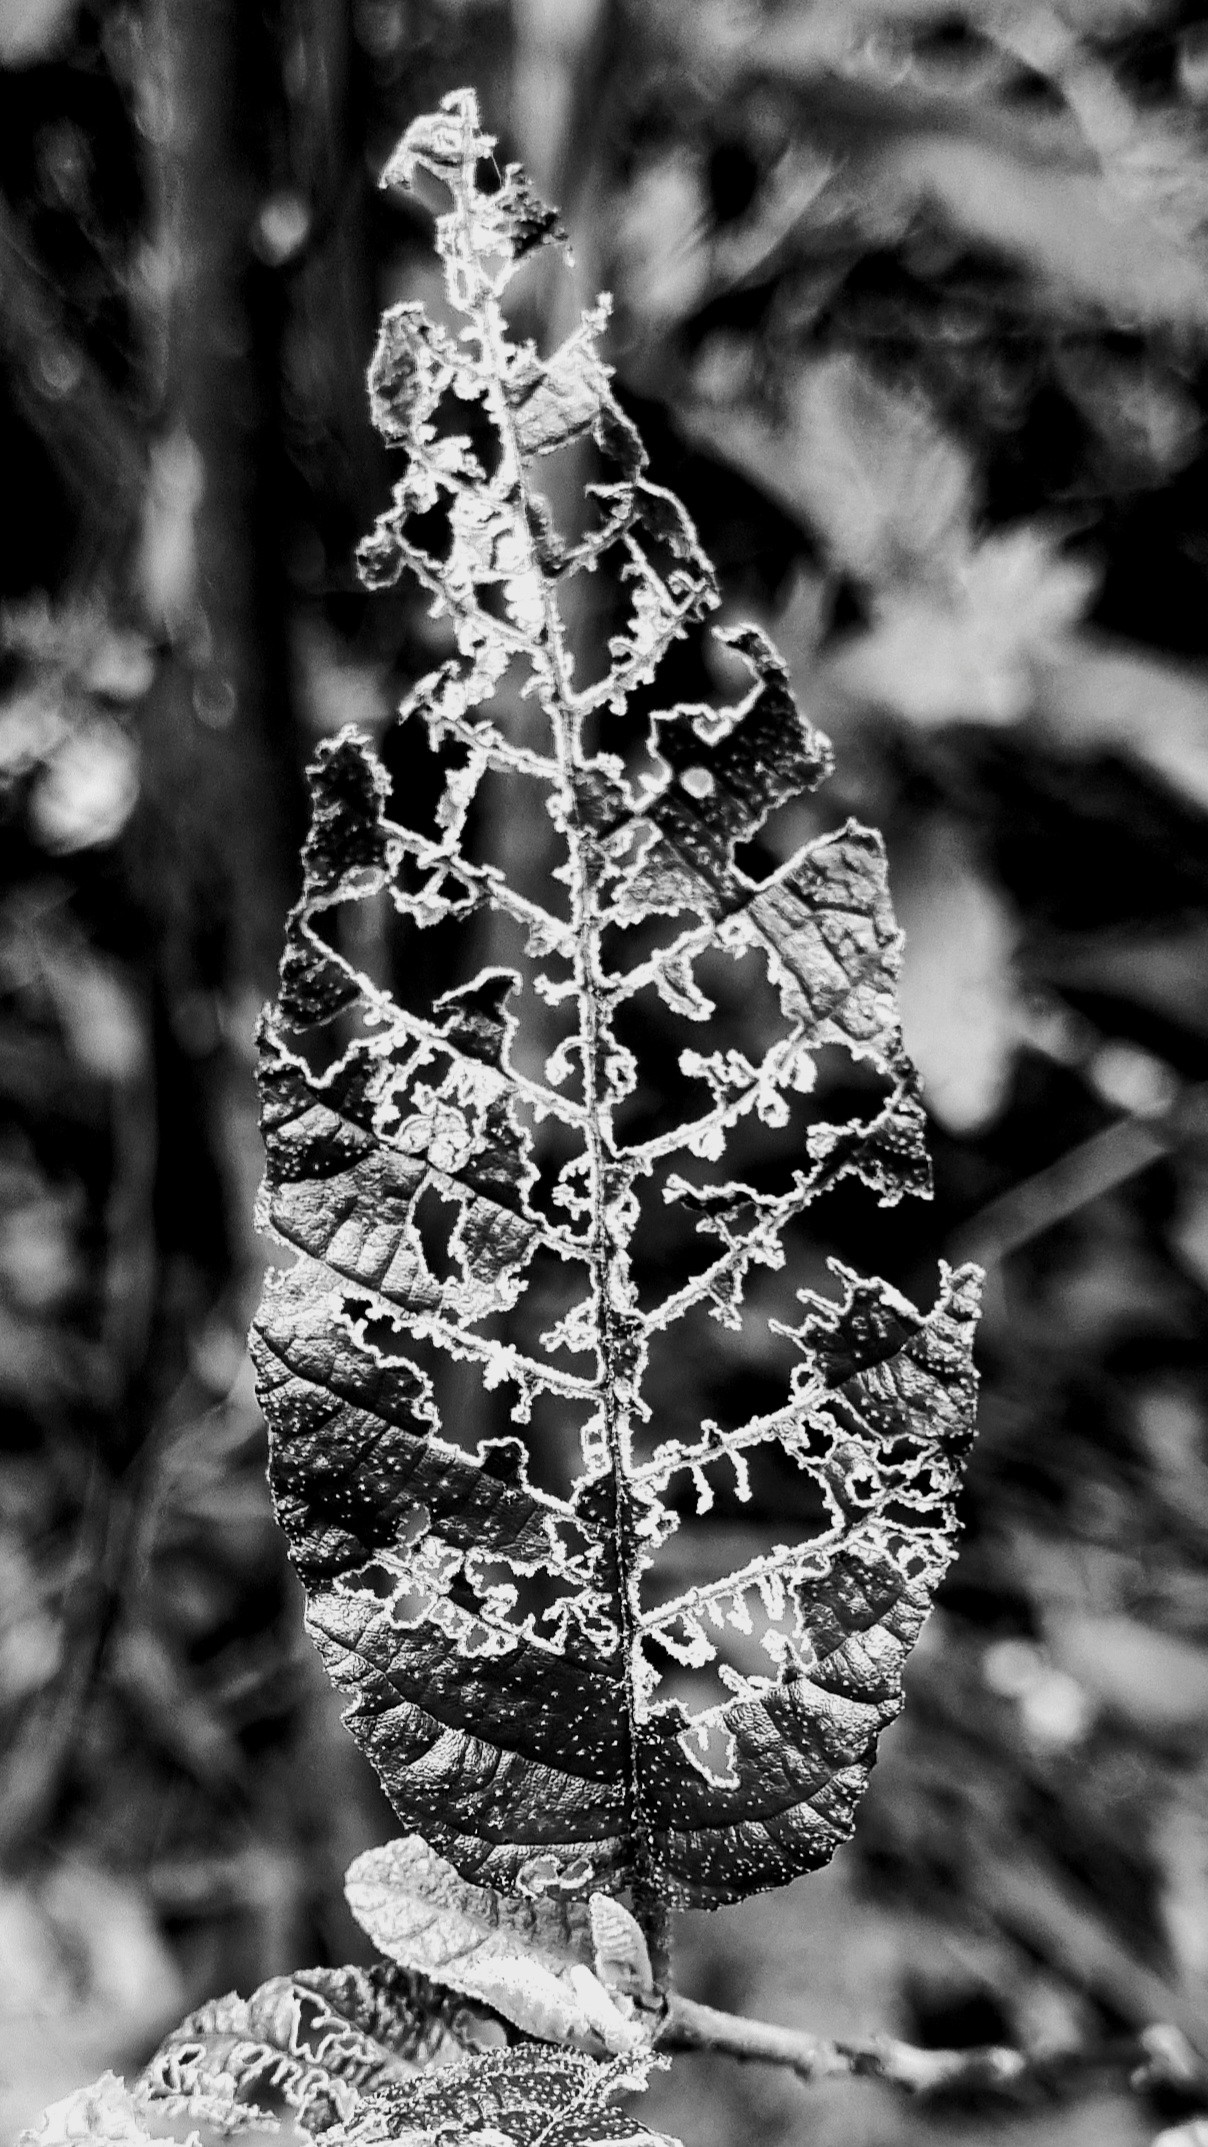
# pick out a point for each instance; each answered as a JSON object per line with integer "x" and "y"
{"x": 911, "y": 306}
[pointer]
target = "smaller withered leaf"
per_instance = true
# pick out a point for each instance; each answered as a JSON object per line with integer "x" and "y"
{"x": 557, "y": 1699}
{"x": 530, "y": 1959}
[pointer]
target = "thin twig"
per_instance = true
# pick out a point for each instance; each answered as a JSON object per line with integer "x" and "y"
{"x": 1159, "y": 2053}
{"x": 691, "y": 2026}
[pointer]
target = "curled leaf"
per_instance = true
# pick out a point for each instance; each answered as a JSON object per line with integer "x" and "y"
{"x": 531, "y": 1960}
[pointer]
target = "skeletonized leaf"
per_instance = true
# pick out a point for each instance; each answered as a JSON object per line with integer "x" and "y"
{"x": 543, "y": 1705}
{"x": 528, "y": 1959}
{"x": 315, "y": 2042}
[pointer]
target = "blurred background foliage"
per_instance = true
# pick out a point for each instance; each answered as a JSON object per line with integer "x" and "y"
{"x": 911, "y": 304}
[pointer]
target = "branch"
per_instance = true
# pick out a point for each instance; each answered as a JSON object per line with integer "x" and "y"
{"x": 1158, "y": 2054}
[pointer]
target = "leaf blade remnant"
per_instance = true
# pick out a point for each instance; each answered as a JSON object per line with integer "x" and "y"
{"x": 530, "y": 1747}
{"x": 517, "y": 2098}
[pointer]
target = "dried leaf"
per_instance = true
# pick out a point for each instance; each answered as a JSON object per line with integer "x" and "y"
{"x": 622, "y": 1959}
{"x": 972, "y": 648}
{"x": 1106, "y": 695}
{"x": 32, "y": 30}
{"x": 85, "y": 1972}
{"x": 314, "y": 2043}
{"x": 530, "y": 1960}
{"x": 502, "y": 1648}
{"x": 1099, "y": 199}
{"x": 866, "y": 465}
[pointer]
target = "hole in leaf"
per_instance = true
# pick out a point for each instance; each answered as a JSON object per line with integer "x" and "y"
{"x": 711, "y": 1748}
{"x": 411, "y": 1606}
{"x": 414, "y": 1525}
{"x": 435, "y": 1220}
{"x": 376, "y": 1579}
{"x": 457, "y": 418}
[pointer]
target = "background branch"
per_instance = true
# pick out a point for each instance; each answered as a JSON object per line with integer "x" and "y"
{"x": 1160, "y": 2055}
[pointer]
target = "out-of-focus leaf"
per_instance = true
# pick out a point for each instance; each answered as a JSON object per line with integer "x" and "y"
{"x": 32, "y": 30}
{"x": 333, "y": 688}
{"x": 167, "y": 556}
{"x": 865, "y": 465}
{"x": 88, "y": 790}
{"x": 1146, "y": 419}
{"x": 1105, "y": 695}
{"x": 1181, "y": 1852}
{"x": 1100, "y": 202}
{"x": 964, "y": 647}
{"x": 468, "y": 1692}
{"x": 39, "y": 1261}
{"x": 1156, "y": 1681}
{"x": 155, "y": 1682}
{"x": 661, "y": 241}
{"x": 529, "y": 1959}
{"x": 32, "y": 724}
{"x": 960, "y": 1002}
{"x": 1055, "y": 1711}
{"x": 961, "y": 623}
{"x": 1189, "y": 1230}
{"x": 30, "y": 1642}
{"x": 1085, "y": 242}
{"x": 120, "y": 665}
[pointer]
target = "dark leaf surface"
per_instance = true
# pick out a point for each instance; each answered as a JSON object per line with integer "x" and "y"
{"x": 528, "y": 2098}
{"x": 502, "y": 1647}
